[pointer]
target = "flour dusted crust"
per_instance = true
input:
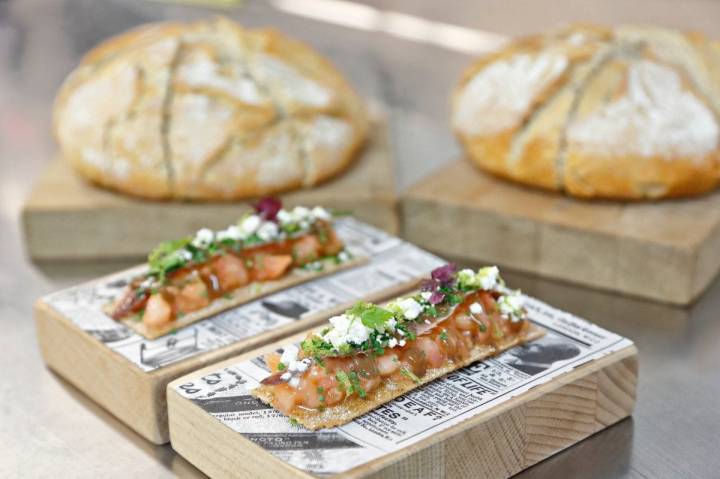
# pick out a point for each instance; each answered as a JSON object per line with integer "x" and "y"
{"x": 630, "y": 112}
{"x": 207, "y": 110}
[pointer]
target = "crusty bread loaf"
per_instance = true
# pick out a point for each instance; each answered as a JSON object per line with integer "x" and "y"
{"x": 630, "y": 112}
{"x": 207, "y": 110}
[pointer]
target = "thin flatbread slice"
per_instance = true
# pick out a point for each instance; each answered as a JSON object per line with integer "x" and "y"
{"x": 388, "y": 390}
{"x": 251, "y": 292}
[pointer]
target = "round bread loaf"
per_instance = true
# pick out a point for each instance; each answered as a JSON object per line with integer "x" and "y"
{"x": 207, "y": 110}
{"x": 630, "y": 112}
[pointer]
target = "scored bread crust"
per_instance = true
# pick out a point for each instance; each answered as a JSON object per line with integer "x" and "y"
{"x": 236, "y": 297}
{"x": 207, "y": 111}
{"x": 390, "y": 389}
{"x": 602, "y": 125}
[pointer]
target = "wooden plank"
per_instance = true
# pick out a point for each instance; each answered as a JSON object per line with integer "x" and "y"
{"x": 667, "y": 251}
{"x": 67, "y": 218}
{"x": 497, "y": 443}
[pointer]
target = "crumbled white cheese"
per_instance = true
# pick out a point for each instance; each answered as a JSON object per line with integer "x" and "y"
{"x": 250, "y": 224}
{"x": 203, "y": 238}
{"x": 300, "y": 212}
{"x": 411, "y": 309}
{"x": 233, "y": 232}
{"x": 289, "y": 354}
{"x": 426, "y": 295}
{"x": 476, "y": 308}
{"x": 511, "y": 305}
{"x": 283, "y": 216}
{"x": 488, "y": 277}
{"x": 285, "y": 376}
{"x": 299, "y": 366}
{"x": 346, "y": 330}
{"x": 401, "y": 343}
{"x": 321, "y": 213}
{"x": 294, "y": 382}
{"x": 511, "y": 302}
{"x": 343, "y": 256}
{"x": 268, "y": 231}
{"x": 186, "y": 255}
{"x": 392, "y": 343}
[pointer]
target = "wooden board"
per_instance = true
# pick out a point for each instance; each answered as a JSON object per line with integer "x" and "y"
{"x": 497, "y": 443}
{"x": 667, "y": 251}
{"x": 68, "y": 218}
{"x": 104, "y": 358}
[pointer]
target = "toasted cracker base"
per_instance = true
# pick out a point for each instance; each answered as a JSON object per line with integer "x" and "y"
{"x": 237, "y": 297}
{"x": 355, "y": 406}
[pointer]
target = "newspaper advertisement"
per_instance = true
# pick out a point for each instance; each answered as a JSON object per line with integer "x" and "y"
{"x": 392, "y": 262}
{"x": 569, "y": 343}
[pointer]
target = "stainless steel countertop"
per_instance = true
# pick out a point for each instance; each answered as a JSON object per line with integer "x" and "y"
{"x": 48, "y": 428}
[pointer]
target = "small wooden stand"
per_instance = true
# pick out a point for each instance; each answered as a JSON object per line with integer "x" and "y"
{"x": 68, "y": 218}
{"x": 497, "y": 443}
{"x": 665, "y": 250}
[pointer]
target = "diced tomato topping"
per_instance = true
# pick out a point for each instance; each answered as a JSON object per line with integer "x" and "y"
{"x": 267, "y": 267}
{"x": 192, "y": 296}
{"x": 157, "y": 312}
{"x": 230, "y": 271}
{"x": 306, "y": 249}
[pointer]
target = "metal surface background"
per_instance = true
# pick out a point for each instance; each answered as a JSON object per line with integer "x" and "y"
{"x": 49, "y": 429}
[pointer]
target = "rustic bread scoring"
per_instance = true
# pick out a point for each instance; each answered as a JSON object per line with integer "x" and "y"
{"x": 207, "y": 110}
{"x": 630, "y": 112}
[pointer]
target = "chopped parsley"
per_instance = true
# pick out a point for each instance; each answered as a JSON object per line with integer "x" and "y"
{"x": 281, "y": 366}
{"x": 410, "y": 375}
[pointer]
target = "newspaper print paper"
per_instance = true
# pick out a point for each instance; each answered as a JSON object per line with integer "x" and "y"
{"x": 569, "y": 343}
{"x": 392, "y": 261}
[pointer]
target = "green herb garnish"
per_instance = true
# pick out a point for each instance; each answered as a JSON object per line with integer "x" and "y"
{"x": 410, "y": 375}
{"x": 345, "y": 382}
{"x": 371, "y": 315}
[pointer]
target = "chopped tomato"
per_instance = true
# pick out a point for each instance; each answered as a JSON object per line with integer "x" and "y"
{"x": 272, "y": 360}
{"x": 192, "y": 296}
{"x": 433, "y": 354}
{"x": 157, "y": 312}
{"x": 230, "y": 271}
{"x": 267, "y": 266}
{"x": 306, "y": 249}
{"x": 284, "y": 398}
{"x": 388, "y": 363}
{"x": 332, "y": 244}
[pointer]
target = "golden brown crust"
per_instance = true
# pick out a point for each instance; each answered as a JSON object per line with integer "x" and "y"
{"x": 559, "y": 139}
{"x": 389, "y": 389}
{"x": 166, "y": 110}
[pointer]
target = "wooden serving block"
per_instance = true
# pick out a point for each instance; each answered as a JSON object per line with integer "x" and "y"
{"x": 65, "y": 217}
{"x": 217, "y": 425}
{"x": 666, "y": 250}
{"x": 127, "y": 374}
